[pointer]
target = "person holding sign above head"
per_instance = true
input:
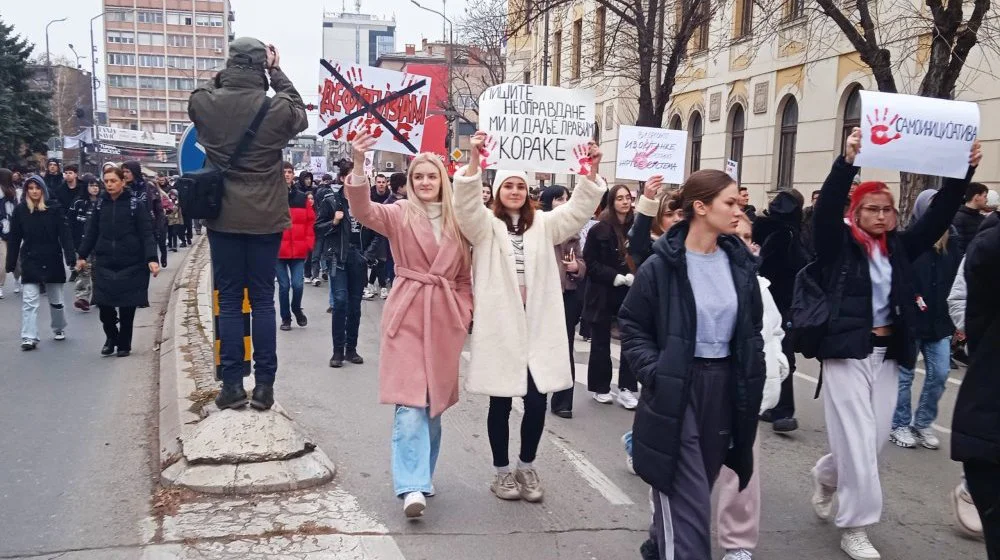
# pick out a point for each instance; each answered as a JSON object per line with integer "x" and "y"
{"x": 426, "y": 318}
{"x": 519, "y": 307}
{"x": 865, "y": 271}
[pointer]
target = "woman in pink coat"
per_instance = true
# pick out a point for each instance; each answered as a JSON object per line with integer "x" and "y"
{"x": 426, "y": 318}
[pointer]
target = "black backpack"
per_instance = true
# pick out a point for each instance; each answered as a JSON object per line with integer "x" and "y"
{"x": 201, "y": 191}
{"x": 812, "y": 308}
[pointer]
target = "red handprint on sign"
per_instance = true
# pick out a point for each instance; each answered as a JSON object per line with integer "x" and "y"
{"x": 582, "y": 153}
{"x": 641, "y": 159}
{"x": 880, "y": 127}
{"x": 488, "y": 152}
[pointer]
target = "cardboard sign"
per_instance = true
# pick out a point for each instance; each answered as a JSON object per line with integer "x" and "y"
{"x": 917, "y": 134}
{"x": 733, "y": 169}
{"x": 644, "y": 152}
{"x": 392, "y": 106}
{"x": 317, "y": 165}
{"x": 537, "y": 128}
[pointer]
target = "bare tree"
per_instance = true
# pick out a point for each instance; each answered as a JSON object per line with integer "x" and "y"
{"x": 483, "y": 32}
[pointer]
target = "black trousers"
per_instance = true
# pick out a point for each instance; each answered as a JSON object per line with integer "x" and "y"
{"x": 532, "y": 425}
{"x": 983, "y": 480}
{"x": 161, "y": 242}
{"x": 377, "y": 273}
{"x": 786, "y": 402}
{"x": 599, "y": 367}
{"x": 188, "y": 230}
{"x": 117, "y": 323}
{"x": 563, "y": 400}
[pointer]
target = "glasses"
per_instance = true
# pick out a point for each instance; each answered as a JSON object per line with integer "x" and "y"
{"x": 878, "y": 210}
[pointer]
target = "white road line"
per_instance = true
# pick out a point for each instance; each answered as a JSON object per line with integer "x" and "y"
{"x": 815, "y": 381}
{"x": 952, "y": 380}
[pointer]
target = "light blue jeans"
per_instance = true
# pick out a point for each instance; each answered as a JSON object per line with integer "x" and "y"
{"x": 416, "y": 441}
{"x": 937, "y": 362}
{"x": 30, "y": 298}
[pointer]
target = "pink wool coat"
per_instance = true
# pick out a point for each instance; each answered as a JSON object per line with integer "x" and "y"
{"x": 427, "y": 316}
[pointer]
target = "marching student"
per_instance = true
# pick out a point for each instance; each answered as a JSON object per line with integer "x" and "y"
{"x": 867, "y": 274}
{"x": 426, "y": 318}
{"x": 518, "y": 296}
{"x": 691, "y": 330}
{"x": 77, "y": 217}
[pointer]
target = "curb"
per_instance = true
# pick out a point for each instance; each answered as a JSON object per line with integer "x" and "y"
{"x": 180, "y": 415}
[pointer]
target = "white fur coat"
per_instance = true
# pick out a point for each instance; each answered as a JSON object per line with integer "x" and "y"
{"x": 777, "y": 362}
{"x": 508, "y": 337}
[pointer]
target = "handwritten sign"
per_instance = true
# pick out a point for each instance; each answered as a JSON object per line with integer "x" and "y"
{"x": 644, "y": 152}
{"x": 391, "y": 105}
{"x": 317, "y": 165}
{"x": 917, "y": 134}
{"x": 733, "y": 169}
{"x": 537, "y": 128}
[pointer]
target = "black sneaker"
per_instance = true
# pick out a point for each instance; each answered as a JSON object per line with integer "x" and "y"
{"x": 108, "y": 348}
{"x": 286, "y": 324}
{"x": 337, "y": 360}
{"x": 784, "y": 425}
{"x": 767, "y": 416}
{"x": 263, "y": 397}
{"x": 329, "y": 310}
{"x": 300, "y": 318}
{"x": 122, "y": 352}
{"x": 231, "y": 396}
{"x": 649, "y": 551}
{"x": 354, "y": 357}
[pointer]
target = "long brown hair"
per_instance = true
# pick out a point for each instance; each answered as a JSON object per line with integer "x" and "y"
{"x": 527, "y": 215}
{"x": 703, "y": 186}
{"x": 7, "y": 185}
{"x": 610, "y": 216}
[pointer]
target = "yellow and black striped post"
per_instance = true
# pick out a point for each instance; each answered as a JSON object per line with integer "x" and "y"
{"x": 247, "y": 343}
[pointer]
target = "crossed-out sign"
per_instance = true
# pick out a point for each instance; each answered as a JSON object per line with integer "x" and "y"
{"x": 351, "y": 102}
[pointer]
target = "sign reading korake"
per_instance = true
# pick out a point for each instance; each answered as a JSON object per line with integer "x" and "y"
{"x": 644, "y": 152}
{"x": 537, "y": 128}
{"x": 917, "y": 134}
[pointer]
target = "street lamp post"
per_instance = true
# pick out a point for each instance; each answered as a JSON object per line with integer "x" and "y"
{"x": 450, "y": 111}
{"x": 48, "y": 61}
{"x": 93, "y": 70}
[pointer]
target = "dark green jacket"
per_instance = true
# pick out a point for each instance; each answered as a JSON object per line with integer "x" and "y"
{"x": 256, "y": 198}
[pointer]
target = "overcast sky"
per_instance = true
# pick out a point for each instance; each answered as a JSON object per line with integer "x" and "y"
{"x": 294, "y": 26}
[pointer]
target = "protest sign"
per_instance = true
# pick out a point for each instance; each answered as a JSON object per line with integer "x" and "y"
{"x": 644, "y": 152}
{"x": 317, "y": 165}
{"x": 370, "y": 163}
{"x": 390, "y": 105}
{"x": 733, "y": 169}
{"x": 917, "y": 134}
{"x": 537, "y": 128}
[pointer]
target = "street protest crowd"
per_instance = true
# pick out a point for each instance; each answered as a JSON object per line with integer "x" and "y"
{"x": 712, "y": 301}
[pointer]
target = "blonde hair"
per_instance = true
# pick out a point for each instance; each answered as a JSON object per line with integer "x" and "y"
{"x": 415, "y": 208}
{"x": 41, "y": 207}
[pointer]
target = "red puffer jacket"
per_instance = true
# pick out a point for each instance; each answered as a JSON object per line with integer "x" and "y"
{"x": 297, "y": 241}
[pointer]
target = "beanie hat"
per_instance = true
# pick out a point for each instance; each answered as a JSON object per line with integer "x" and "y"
{"x": 504, "y": 174}
{"x": 247, "y": 52}
{"x": 992, "y": 198}
{"x": 922, "y": 203}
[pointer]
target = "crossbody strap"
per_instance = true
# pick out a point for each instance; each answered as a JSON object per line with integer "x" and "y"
{"x": 250, "y": 133}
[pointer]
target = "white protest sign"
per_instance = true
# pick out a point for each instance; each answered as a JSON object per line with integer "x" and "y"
{"x": 370, "y": 163}
{"x": 644, "y": 152}
{"x": 917, "y": 134}
{"x": 733, "y": 169}
{"x": 398, "y": 104}
{"x": 317, "y": 165}
{"x": 537, "y": 128}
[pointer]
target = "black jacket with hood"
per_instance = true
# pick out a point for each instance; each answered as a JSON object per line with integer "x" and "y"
{"x": 41, "y": 239}
{"x": 782, "y": 253}
{"x": 149, "y": 195}
{"x": 967, "y": 221}
{"x": 658, "y": 323}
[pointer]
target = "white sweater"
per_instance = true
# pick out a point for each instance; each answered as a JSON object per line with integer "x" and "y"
{"x": 774, "y": 358}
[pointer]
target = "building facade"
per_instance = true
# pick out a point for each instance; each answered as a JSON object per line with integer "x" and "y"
{"x": 157, "y": 53}
{"x": 778, "y": 100}
{"x": 358, "y": 38}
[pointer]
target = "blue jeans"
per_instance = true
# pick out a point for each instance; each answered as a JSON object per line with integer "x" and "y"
{"x": 348, "y": 284}
{"x": 416, "y": 442}
{"x": 245, "y": 261}
{"x": 937, "y": 362}
{"x": 291, "y": 274}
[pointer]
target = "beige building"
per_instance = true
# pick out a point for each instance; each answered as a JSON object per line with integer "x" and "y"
{"x": 157, "y": 51}
{"x": 778, "y": 103}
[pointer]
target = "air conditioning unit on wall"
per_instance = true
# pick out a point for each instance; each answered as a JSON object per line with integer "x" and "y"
{"x": 390, "y": 165}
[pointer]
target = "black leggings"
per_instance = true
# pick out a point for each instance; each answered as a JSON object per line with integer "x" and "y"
{"x": 377, "y": 274}
{"x": 117, "y": 323}
{"x": 532, "y": 425}
{"x": 599, "y": 368}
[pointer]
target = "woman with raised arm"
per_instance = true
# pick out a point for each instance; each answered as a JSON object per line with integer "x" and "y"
{"x": 867, "y": 275}
{"x": 426, "y": 318}
{"x": 691, "y": 330}
{"x": 519, "y": 305}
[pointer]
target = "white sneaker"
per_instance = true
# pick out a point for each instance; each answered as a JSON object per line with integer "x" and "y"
{"x": 822, "y": 499}
{"x": 317, "y": 281}
{"x": 1, "y": 292}
{"x": 603, "y": 398}
{"x": 368, "y": 292}
{"x": 307, "y": 280}
{"x": 60, "y": 335}
{"x": 17, "y": 287}
{"x": 629, "y": 465}
{"x": 903, "y": 437}
{"x": 627, "y": 399}
{"x": 414, "y": 504}
{"x": 384, "y": 293}
{"x": 966, "y": 515}
{"x": 927, "y": 438}
{"x": 738, "y": 554}
{"x": 856, "y": 544}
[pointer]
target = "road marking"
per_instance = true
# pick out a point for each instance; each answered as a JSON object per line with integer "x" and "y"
{"x": 952, "y": 380}
{"x": 815, "y": 381}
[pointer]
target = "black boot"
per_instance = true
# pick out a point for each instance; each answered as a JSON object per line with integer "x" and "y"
{"x": 231, "y": 396}
{"x": 354, "y": 357}
{"x": 300, "y": 318}
{"x": 649, "y": 550}
{"x": 338, "y": 359}
{"x": 263, "y": 397}
{"x": 108, "y": 348}
{"x": 286, "y": 324}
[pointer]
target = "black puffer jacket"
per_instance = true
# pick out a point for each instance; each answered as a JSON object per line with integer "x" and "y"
{"x": 121, "y": 239}
{"x": 967, "y": 222}
{"x": 604, "y": 262}
{"x": 845, "y": 269}
{"x": 658, "y": 322}
{"x": 41, "y": 239}
{"x": 976, "y": 422}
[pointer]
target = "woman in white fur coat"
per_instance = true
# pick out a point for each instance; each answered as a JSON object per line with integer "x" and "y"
{"x": 519, "y": 316}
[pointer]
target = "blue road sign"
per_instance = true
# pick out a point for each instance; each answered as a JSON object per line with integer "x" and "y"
{"x": 190, "y": 154}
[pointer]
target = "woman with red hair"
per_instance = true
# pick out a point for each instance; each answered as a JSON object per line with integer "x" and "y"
{"x": 867, "y": 274}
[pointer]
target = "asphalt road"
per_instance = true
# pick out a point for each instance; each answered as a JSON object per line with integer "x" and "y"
{"x": 75, "y": 431}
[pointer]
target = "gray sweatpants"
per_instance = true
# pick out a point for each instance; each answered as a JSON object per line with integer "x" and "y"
{"x": 682, "y": 521}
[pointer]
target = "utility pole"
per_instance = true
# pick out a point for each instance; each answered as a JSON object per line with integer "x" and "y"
{"x": 545, "y": 48}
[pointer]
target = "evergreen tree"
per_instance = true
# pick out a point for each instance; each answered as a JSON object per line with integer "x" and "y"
{"x": 25, "y": 123}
